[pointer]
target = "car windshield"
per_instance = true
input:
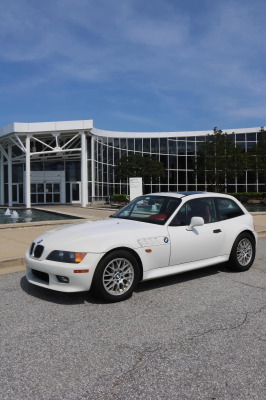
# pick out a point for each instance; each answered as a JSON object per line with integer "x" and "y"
{"x": 151, "y": 209}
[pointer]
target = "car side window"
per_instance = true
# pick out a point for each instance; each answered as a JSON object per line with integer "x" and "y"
{"x": 202, "y": 207}
{"x": 228, "y": 209}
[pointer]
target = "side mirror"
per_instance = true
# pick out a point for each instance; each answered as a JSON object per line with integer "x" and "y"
{"x": 195, "y": 221}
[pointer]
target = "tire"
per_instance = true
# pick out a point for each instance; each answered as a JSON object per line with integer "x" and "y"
{"x": 116, "y": 276}
{"x": 243, "y": 253}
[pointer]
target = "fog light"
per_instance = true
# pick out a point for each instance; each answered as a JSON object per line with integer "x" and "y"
{"x": 63, "y": 279}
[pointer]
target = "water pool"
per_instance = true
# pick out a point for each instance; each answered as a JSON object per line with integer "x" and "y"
{"x": 256, "y": 208}
{"x": 31, "y": 215}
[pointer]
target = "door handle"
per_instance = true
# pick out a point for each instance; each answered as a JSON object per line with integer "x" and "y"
{"x": 217, "y": 231}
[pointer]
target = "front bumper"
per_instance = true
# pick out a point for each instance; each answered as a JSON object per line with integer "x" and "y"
{"x": 78, "y": 282}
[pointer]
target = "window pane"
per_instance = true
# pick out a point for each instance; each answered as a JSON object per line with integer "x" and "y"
{"x": 172, "y": 162}
{"x": 228, "y": 209}
{"x": 190, "y": 148}
{"x": 240, "y": 137}
{"x": 48, "y": 188}
{"x": 251, "y": 136}
{"x": 146, "y": 145}
{"x": 155, "y": 145}
{"x": 56, "y": 187}
{"x": 138, "y": 145}
{"x": 123, "y": 143}
{"x": 163, "y": 146}
{"x": 181, "y": 148}
{"x": 54, "y": 166}
{"x": 203, "y": 208}
{"x": 181, "y": 177}
{"x": 182, "y": 162}
{"x": 172, "y": 146}
{"x": 130, "y": 143}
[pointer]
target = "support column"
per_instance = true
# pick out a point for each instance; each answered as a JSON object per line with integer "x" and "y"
{"x": 2, "y": 187}
{"x": 27, "y": 174}
{"x": 10, "y": 202}
{"x": 92, "y": 170}
{"x": 84, "y": 167}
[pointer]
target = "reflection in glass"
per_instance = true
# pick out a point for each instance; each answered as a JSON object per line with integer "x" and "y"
{"x": 172, "y": 162}
{"x": 240, "y": 137}
{"x": 163, "y": 146}
{"x": 190, "y": 148}
{"x": 181, "y": 148}
{"x": 172, "y": 146}
{"x": 146, "y": 145}
{"x": 155, "y": 145}
{"x": 138, "y": 145}
{"x": 130, "y": 144}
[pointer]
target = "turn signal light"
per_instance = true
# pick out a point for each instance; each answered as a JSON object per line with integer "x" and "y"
{"x": 81, "y": 271}
{"x": 148, "y": 250}
{"x": 79, "y": 257}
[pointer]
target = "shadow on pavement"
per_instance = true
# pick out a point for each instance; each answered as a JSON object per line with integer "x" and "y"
{"x": 53, "y": 296}
{"x": 183, "y": 277}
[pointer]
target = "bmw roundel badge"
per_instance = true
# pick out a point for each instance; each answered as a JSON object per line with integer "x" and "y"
{"x": 165, "y": 240}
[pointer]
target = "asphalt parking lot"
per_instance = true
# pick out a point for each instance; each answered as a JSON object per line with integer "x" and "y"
{"x": 200, "y": 335}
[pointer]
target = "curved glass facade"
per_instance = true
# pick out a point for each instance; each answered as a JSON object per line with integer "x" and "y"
{"x": 177, "y": 153}
{"x": 73, "y": 162}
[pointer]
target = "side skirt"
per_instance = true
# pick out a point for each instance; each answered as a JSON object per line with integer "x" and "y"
{"x": 178, "y": 269}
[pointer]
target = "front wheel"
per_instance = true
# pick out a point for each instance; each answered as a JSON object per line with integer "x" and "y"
{"x": 243, "y": 253}
{"x": 116, "y": 276}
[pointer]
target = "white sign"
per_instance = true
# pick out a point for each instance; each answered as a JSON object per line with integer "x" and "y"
{"x": 135, "y": 185}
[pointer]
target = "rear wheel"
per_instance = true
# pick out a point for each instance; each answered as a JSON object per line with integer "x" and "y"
{"x": 243, "y": 253}
{"x": 116, "y": 276}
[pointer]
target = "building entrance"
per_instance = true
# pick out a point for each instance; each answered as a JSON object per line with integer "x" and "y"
{"x": 45, "y": 192}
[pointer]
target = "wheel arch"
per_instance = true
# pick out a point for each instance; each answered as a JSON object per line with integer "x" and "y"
{"x": 251, "y": 233}
{"x": 134, "y": 254}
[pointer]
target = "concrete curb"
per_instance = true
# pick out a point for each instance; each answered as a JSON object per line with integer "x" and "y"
{"x": 16, "y": 262}
{"x": 12, "y": 266}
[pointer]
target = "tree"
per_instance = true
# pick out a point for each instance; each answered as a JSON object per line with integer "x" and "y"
{"x": 138, "y": 166}
{"x": 257, "y": 157}
{"x": 219, "y": 160}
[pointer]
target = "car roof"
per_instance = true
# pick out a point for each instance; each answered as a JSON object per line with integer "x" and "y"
{"x": 187, "y": 193}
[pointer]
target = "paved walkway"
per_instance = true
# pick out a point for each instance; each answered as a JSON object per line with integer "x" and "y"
{"x": 15, "y": 239}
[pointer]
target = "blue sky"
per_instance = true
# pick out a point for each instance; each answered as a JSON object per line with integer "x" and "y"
{"x": 134, "y": 65}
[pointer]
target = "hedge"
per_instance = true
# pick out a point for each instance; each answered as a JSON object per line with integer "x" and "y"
{"x": 120, "y": 198}
{"x": 249, "y": 195}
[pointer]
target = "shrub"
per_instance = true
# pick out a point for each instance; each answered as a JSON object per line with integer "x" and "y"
{"x": 249, "y": 195}
{"x": 120, "y": 198}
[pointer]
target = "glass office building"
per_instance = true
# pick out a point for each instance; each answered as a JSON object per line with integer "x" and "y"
{"x": 71, "y": 161}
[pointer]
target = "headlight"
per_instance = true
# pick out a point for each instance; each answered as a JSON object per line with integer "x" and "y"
{"x": 66, "y": 256}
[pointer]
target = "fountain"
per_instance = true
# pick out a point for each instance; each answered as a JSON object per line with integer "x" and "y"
{"x": 14, "y": 214}
{"x": 8, "y": 213}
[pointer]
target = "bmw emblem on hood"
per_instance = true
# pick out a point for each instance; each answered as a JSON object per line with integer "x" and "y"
{"x": 39, "y": 241}
{"x": 165, "y": 240}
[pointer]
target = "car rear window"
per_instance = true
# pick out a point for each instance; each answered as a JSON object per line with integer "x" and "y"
{"x": 228, "y": 209}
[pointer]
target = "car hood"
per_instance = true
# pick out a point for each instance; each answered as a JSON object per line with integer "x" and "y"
{"x": 102, "y": 235}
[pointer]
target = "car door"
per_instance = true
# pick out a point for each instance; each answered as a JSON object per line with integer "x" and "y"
{"x": 202, "y": 242}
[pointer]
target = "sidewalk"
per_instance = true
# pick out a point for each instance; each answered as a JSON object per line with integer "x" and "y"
{"x": 15, "y": 239}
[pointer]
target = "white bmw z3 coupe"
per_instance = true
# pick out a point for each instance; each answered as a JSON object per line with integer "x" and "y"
{"x": 155, "y": 235}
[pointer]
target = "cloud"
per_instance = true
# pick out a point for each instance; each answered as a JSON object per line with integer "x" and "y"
{"x": 135, "y": 118}
{"x": 249, "y": 112}
{"x": 187, "y": 56}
